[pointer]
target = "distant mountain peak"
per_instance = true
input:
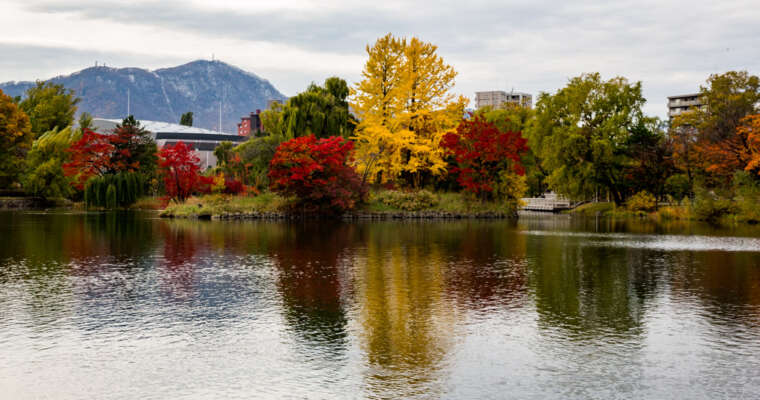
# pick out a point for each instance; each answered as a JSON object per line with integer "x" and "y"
{"x": 164, "y": 94}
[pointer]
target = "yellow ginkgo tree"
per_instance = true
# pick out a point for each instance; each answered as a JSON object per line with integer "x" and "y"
{"x": 404, "y": 105}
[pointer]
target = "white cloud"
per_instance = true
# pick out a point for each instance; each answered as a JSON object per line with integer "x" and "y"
{"x": 670, "y": 46}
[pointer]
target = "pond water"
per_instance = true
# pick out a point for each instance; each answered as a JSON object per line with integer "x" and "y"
{"x": 126, "y": 305}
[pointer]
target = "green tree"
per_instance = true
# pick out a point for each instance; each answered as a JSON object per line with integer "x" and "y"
{"x": 85, "y": 121}
{"x": 223, "y": 153}
{"x": 135, "y": 148}
{"x": 44, "y": 175}
{"x": 15, "y": 140}
{"x": 48, "y": 106}
{"x": 728, "y": 97}
{"x": 320, "y": 110}
{"x": 581, "y": 134}
{"x": 186, "y": 119}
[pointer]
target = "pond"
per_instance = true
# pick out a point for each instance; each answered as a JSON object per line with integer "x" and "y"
{"x": 127, "y": 305}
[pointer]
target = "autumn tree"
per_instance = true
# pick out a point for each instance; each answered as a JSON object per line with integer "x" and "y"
{"x": 90, "y": 156}
{"x": 405, "y": 106}
{"x": 727, "y": 98}
{"x": 486, "y": 158}
{"x": 318, "y": 173}
{"x": 48, "y": 106}
{"x": 749, "y": 129}
{"x": 15, "y": 140}
{"x": 582, "y": 131}
{"x": 518, "y": 118}
{"x": 134, "y": 148}
{"x": 179, "y": 166}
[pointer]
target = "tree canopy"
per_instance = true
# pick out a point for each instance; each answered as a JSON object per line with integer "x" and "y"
{"x": 48, "y": 106}
{"x": 15, "y": 140}
{"x": 321, "y": 111}
{"x": 582, "y": 134}
{"x": 186, "y": 119}
{"x": 405, "y": 107}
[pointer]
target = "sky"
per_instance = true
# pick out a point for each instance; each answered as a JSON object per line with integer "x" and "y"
{"x": 537, "y": 46}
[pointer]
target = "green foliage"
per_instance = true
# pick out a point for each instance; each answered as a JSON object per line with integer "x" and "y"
{"x": 708, "y": 206}
{"x": 747, "y": 191}
{"x": 44, "y": 175}
{"x": 48, "y": 106}
{"x": 114, "y": 190}
{"x": 223, "y": 153}
{"x": 407, "y": 201}
{"x": 729, "y": 98}
{"x": 15, "y": 140}
{"x": 642, "y": 201}
{"x": 320, "y": 110}
{"x": 186, "y": 119}
{"x": 85, "y": 122}
{"x": 677, "y": 186}
{"x": 581, "y": 134}
{"x": 254, "y": 156}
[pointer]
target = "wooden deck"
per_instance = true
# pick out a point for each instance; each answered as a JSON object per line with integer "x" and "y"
{"x": 548, "y": 203}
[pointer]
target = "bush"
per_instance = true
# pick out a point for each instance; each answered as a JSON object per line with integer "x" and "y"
{"x": 678, "y": 186}
{"x": 747, "y": 197}
{"x": 408, "y": 201}
{"x": 317, "y": 174}
{"x": 114, "y": 190}
{"x": 642, "y": 201}
{"x": 710, "y": 207}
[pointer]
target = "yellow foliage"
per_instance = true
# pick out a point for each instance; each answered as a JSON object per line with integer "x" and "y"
{"x": 405, "y": 107}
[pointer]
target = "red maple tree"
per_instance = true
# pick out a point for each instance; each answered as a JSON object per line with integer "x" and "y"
{"x": 90, "y": 156}
{"x": 317, "y": 173}
{"x": 481, "y": 151}
{"x": 179, "y": 166}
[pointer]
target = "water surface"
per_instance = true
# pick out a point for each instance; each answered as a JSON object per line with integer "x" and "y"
{"x": 126, "y": 305}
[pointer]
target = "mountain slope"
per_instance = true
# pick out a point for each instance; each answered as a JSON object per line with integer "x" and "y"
{"x": 164, "y": 94}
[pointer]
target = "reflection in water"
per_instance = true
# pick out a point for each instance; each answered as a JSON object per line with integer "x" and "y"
{"x": 547, "y": 307}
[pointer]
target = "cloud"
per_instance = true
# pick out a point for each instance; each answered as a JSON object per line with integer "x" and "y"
{"x": 671, "y": 46}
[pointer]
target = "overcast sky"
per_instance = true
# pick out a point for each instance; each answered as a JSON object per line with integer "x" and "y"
{"x": 671, "y": 46}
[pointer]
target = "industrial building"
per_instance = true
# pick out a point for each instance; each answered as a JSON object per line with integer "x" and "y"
{"x": 203, "y": 141}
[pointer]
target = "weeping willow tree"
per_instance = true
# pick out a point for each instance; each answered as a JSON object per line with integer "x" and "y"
{"x": 44, "y": 175}
{"x": 114, "y": 190}
{"x": 320, "y": 110}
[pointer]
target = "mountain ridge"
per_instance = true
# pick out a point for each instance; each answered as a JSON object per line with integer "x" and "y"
{"x": 164, "y": 94}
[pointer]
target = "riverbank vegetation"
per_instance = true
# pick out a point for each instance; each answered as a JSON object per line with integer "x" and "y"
{"x": 400, "y": 140}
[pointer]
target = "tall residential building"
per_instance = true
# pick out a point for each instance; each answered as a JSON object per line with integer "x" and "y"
{"x": 498, "y": 98}
{"x": 684, "y": 102}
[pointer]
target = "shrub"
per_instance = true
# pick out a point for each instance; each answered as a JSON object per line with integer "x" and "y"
{"x": 642, "y": 201}
{"x": 710, "y": 207}
{"x": 677, "y": 186}
{"x": 114, "y": 190}
{"x": 408, "y": 201}
{"x": 317, "y": 174}
{"x": 747, "y": 197}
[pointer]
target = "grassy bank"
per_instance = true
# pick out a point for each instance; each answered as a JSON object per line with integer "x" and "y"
{"x": 722, "y": 211}
{"x": 379, "y": 203}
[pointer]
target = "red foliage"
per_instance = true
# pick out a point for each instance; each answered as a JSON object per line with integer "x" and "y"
{"x": 233, "y": 186}
{"x": 90, "y": 156}
{"x": 317, "y": 173}
{"x": 179, "y": 167}
{"x": 481, "y": 152}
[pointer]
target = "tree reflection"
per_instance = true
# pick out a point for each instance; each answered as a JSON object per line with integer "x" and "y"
{"x": 311, "y": 281}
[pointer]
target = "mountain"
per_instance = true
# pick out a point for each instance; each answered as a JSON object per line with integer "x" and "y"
{"x": 165, "y": 94}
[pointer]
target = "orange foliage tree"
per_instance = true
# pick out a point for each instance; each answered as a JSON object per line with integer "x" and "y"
{"x": 750, "y": 131}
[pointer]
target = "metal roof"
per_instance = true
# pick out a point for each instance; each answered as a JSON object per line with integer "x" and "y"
{"x": 156, "y": 127}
